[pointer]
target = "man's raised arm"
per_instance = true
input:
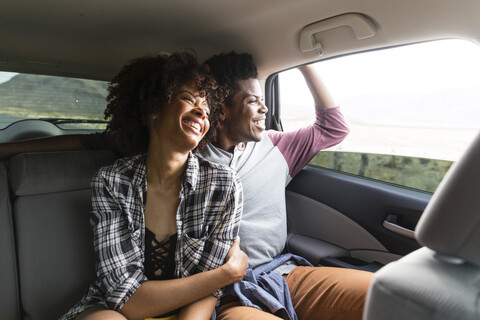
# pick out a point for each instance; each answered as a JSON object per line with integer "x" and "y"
{"x": 330, "y": 128}
{"x": 321, "y": 96}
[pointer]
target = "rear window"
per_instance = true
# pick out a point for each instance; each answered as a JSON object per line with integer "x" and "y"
{"x": 69, "y": 103}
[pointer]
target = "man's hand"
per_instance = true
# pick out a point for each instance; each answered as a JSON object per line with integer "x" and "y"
{"x": 237, "y": 262}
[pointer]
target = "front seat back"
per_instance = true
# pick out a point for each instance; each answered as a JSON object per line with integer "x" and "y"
{"x": 442, "y": 279}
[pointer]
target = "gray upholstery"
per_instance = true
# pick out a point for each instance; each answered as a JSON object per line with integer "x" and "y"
{"x": 47, "y": 172}
{"x": 54, "y": 241}
{"x": 9, "y": 305}
{"x": 442, "y": 279}
{"x": 421, "y": 287}
{"x": 454, "y": 210}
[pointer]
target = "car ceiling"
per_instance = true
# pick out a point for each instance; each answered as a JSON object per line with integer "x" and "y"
{"x": 94, "y": 38}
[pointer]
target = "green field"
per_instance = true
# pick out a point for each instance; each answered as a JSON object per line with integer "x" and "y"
{"x": 27, "y": 96}
{"x": 418, "y": 173}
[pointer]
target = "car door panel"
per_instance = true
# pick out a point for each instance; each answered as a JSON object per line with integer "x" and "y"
{"x": 329, "y": 209}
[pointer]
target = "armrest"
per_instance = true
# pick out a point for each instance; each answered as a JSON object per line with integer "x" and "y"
{"x": 312, "y": 249}
{"x": 350, "y": 263}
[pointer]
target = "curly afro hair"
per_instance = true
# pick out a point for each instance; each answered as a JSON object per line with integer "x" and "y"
{"x": 145, "y": 85}
{"x": 229, "y": 68}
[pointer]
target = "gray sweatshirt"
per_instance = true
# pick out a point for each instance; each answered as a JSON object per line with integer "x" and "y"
{"x": 265, "y": 168}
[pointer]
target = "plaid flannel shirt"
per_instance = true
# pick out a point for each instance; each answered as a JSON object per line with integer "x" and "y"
{"x": 208, "y": 219}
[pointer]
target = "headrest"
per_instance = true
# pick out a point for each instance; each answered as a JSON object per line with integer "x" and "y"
{"x": 450, "y": 224}
{"x": 47, "y": 172}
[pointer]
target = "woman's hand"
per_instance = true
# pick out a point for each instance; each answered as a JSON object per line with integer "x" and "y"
{"x": 237, "y": 262}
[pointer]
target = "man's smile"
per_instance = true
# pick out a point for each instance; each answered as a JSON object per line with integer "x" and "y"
{"x": 259, "y": 123}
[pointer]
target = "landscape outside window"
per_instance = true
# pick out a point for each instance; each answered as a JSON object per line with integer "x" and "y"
{"x": 28, "y": 96}
{"x": 412, "y": 110}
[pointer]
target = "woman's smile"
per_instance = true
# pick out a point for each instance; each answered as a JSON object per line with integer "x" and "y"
{"x": 193, "y": 125}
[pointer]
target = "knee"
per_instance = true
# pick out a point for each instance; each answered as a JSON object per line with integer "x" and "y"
{"x": 100, "y": 313}
{"x": 332, "y": 293}
{"x": 329, "y": 284}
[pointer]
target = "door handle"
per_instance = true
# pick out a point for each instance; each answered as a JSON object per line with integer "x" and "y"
{"x": 397, "y": 228}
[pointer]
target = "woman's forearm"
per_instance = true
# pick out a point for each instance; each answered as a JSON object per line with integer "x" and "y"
{"x": 154, "y": 298}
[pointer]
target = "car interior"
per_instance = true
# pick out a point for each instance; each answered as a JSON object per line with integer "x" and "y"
{"x": 422, "y": 244}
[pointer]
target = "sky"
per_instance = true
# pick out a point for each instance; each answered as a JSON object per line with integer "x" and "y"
{"x": 421, "y": 100}
{"x": 5, "y": 76}
{"x": 429, "y": 80}
{"x": 429, "y": 58}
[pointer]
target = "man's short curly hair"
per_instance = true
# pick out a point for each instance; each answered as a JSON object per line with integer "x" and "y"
{"x": 229, "y": 68}
{"x": 145, "y": 85}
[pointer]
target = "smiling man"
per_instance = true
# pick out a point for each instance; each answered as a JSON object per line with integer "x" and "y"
{"x": 266, "y": 162}
{"x": 244, "y": 116}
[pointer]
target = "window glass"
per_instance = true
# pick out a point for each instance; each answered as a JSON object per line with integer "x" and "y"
{"x": 412, "y": 110}
{"x": 68, "y": 102}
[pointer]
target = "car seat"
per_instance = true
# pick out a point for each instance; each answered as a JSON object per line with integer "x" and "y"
{"x": 442, "y": 279}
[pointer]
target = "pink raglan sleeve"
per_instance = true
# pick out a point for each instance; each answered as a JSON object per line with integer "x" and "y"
{"x": 300, "y": 146}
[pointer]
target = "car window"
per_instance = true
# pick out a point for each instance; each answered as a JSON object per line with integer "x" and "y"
{"x": 412, "y": 110}
{"x": 68, "y": 102}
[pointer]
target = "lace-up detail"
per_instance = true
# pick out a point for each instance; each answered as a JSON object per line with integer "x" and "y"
{"x": 159, "y": 257}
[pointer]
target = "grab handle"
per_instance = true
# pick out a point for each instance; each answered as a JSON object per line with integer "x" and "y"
{"x": 362, "y": 27}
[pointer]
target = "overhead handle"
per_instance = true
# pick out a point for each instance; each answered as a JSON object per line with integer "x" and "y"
{"x": 362, "y": 27}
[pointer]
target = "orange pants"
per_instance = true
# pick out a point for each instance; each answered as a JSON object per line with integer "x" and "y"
{"x": 317, "y": 293}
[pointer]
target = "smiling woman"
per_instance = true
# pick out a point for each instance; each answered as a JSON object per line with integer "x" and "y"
{"x": 144, "y": 238}
{"x": 184, "y": 120}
